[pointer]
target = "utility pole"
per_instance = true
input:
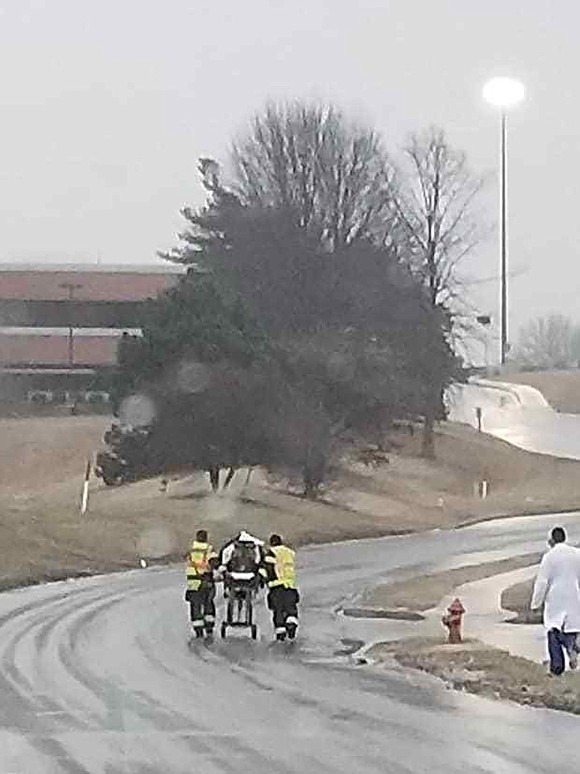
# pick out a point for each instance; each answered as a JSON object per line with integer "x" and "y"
{"x": 503, "y": 241}
{"x": 503, "y": 93}
{"x": 70, "y": 287}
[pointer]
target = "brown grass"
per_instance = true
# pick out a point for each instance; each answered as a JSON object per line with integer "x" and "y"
{"x": 486, "y": 671}
{"x": 36, "y": 453}
{"x": 425, "y": 592}
{"x": 517, "y": 599}
{"x": 42, "y": 535}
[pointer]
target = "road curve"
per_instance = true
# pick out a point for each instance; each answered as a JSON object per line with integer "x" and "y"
{"x": 97, "y": 678}
{"x": 518, "y": 414}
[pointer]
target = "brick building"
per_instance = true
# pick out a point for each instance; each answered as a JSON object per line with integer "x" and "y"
{"x": 60, "y": 325}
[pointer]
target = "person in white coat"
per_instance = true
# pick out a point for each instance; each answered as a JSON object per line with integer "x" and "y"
{"x": 557, "y": 587}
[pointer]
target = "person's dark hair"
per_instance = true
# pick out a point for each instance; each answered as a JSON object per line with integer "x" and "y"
{"x": 558, "y": 535}
{"x": 275, "y": 540}
{"x": 201, "y": 535}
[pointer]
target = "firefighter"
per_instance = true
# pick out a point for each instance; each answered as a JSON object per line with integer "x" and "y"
{"x": 201, "y": 564}
{"x": 283, "y": 595}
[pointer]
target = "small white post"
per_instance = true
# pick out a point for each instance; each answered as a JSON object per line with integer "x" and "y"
{"x": 483, "y": 489}
{"x": 85, "y": 495}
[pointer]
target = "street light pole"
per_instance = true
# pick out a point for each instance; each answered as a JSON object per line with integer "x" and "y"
{"x": 503, "y": 240}
{"x": 503, "y": 93}
{"x": 70, "y": 287}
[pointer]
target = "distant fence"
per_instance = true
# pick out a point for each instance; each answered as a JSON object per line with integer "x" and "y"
{"x": 18, "y": 409}
{"x": 68, "y": 398}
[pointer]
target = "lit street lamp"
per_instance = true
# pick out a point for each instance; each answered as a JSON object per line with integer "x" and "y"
{"x": 503, "y": 93}
{"x": 485, "y": 321}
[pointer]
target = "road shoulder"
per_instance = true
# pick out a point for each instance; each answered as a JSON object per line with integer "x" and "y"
{"x": 483, "y": 670}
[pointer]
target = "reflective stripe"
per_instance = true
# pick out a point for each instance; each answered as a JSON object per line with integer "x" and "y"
{"x": 242, "y": 575}
{"x": 210, "y": 618}
{"x": 197, "y": 623}
{"x": 292, "y": 620}
{"x": 206, "y": 548}
{"x": 280, "y": 630}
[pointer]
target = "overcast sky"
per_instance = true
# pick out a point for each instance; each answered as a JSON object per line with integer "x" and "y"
{"x": 106, "y": 104}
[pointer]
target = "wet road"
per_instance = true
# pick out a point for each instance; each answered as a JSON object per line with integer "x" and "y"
{"x": 96, "y": 677}
{"x": 518, "y": 414}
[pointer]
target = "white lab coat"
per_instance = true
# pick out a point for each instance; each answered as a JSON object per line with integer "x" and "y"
{"x": 557, "y": 587}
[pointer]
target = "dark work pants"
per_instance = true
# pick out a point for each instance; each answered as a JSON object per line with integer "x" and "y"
{"x": 559, "y": 641}
{"x": 283, "y": 603}
{"x": 202, "y": 606}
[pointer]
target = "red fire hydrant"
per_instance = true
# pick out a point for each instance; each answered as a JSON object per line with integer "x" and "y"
{"x": 452, "y": 620}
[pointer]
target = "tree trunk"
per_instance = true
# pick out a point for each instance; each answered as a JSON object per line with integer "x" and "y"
{"x": 214, "y": 477}
{"x": 229, "y": 477}
{"x": 428, "y": 448}
{"x": 313, "y": 477}
{"x": 310, "y": 487}
{"x": 314, "y": 470}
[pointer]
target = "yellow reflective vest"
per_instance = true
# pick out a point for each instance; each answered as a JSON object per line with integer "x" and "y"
{"x": 199, "y": 565}
{"x": 281, "y": 562}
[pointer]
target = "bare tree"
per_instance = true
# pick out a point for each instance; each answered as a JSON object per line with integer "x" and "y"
{"x": 575, "y": 345}
{"x": 333, "y": 176}
{"x": 435, "y": 209}
{"x": 546, "y": 342}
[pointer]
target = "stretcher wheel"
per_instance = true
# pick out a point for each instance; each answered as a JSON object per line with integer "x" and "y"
{"x": 254, "y": 632}
{"x": 223, "y": 630}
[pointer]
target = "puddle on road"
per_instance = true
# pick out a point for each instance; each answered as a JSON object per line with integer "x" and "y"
{"x": 394, "y": 615}
{"x": 349, "y": 647}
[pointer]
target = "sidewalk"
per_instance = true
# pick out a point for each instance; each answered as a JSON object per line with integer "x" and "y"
{"x": 486, "y": 621}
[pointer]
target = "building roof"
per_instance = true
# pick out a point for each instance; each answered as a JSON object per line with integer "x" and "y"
{"x": 102, "y": 268}
{"x": 90, "y": 282}
{"x": 47, "y": 371}
{"x": 114, "y": 333}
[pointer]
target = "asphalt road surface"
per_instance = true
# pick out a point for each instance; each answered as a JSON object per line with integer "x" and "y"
{"x": 518, "y": 414}
{"x": 97, "y": 676}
